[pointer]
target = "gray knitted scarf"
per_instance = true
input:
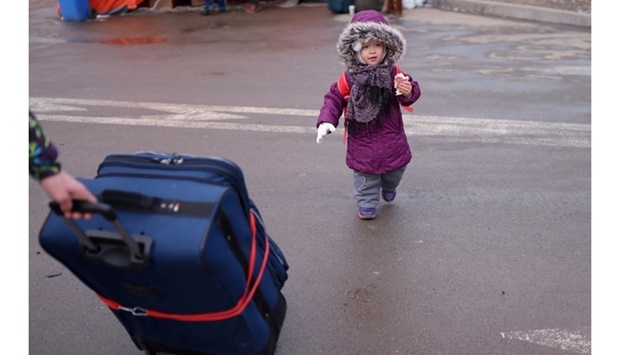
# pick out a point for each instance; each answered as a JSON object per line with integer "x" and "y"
{"x": 370, "y": 92}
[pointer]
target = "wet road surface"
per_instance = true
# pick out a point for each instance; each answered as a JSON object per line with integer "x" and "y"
{"x": 486, "y": 249}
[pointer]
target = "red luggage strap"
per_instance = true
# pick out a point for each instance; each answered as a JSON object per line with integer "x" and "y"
{"x": 250, "y": 288}
{"x": 345, "y": 90}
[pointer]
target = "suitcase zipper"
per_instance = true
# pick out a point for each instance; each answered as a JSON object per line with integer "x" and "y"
{"x": 178, "y": 160}
{"x": 166, "y": 177}
{"x": 223, "y": 167}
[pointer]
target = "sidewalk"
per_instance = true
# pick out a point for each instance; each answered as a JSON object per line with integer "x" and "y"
{"x": 515, "y": 9}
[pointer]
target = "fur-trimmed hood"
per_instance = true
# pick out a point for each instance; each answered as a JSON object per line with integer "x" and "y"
{"x": 364, "y": 26}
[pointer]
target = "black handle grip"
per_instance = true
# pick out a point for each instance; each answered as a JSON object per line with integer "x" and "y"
{"x": 87, "y": 207}
{"x": 99, "y": 247}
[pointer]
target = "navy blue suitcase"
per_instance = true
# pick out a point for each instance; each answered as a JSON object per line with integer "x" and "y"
{"x": 179, "y": 252}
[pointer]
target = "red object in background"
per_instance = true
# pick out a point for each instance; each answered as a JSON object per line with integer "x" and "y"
{"x": 103, "y": 6}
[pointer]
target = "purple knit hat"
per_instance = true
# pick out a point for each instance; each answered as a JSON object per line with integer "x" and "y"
{"x": 369, "y": 16}
{"x": 364, "y": 26}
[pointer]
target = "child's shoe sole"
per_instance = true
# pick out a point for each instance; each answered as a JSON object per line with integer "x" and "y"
{"x": 367, "y": 213}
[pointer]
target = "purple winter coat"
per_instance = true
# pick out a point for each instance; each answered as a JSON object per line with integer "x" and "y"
{"x": 373, "y": 151}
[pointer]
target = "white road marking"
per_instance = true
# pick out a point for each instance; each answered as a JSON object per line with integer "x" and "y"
{"x": 211, "y": 116}
{"x": 578, "y": 341}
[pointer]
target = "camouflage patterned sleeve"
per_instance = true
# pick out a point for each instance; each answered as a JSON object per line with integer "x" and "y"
{"x": 43, "y": 153}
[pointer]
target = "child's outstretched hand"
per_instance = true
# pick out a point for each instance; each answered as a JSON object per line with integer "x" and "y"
{"x": 402, "y": 85}
{"x": 324, "y": 129}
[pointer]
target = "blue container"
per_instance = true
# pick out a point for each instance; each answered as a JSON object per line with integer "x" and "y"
{"x": 74, "y": 10}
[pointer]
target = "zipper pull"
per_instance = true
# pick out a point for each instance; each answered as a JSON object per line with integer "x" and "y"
{"x": 175, "y": 160}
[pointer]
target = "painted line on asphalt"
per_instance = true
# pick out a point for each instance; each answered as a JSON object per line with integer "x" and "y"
{"x": 492, "y": 131}
{"x": 578, "y": 341}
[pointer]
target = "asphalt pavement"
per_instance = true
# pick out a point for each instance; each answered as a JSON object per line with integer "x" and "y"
{"x": 487, "y": 248}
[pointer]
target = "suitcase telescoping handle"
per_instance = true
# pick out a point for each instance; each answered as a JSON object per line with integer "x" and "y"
{"x": 109, "y": 214}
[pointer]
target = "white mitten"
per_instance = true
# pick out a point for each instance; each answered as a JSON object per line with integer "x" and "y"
{"x": 324, "y": 129}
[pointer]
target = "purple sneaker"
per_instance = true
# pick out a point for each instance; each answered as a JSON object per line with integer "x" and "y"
{"x": 367, "y": 213}
{"x": 388, "y": 196}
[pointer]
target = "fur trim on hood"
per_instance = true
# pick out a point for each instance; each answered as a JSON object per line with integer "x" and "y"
{"x": 364, "y": 26}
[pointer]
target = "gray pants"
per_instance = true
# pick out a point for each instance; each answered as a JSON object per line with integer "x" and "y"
{"x": 368, "y": 186}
